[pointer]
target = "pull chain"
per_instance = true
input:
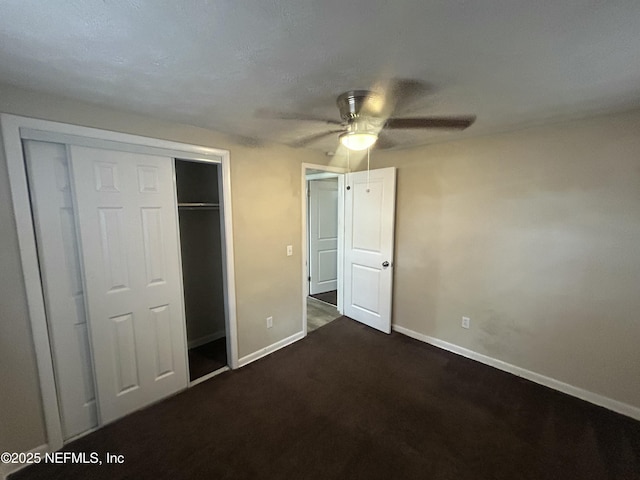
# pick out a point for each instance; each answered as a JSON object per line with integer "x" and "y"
{"x": 368, "y": 169}
{"x": 348, "y": 169}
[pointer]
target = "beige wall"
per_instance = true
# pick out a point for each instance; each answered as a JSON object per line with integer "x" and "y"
{"x": 535, "y": 235}
{"x": 266, "y": 213}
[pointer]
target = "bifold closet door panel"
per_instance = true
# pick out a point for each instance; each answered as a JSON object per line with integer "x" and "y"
{"x": 126, "y": 206}
{"x": 58, "y": 256}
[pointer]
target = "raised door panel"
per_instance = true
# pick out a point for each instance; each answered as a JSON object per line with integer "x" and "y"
{"x": 327, "y": 267}
{"x": 127, "y": 211}
{"x": 113, "y": 241}
{"x": 365, "y": 283}
{"x": 153, "y": 245}
{"x": 106, "y": 177}
{"x": 124, "y": 353}
{"x": 163, "y": 344}
{"x": 367, "y": 221}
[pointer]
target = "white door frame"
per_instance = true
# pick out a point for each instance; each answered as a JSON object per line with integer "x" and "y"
{"x": 14, "y": 128}
{"x": 305, "y": 245}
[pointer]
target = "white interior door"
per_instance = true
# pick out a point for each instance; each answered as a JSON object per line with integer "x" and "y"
{"x": 58, "y": 256}
{"x": 369, "y": 230}
{"x": 323, "y": 235}
{"x": 129, "y": 241}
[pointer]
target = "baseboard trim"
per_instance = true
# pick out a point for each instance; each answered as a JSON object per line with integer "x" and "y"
{"x": 7, "y": 469}
{"x": 206, "y": 339}
{"x": 600, "y": 400}
{"x": 252, "y": 357}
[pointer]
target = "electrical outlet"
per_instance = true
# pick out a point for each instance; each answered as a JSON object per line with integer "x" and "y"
{"x": 466, "y": 322}
{"x": 269, "y": 322}
{"x": 289, "y": 250}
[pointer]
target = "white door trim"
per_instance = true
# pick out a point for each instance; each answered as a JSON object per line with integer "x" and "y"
{"x": 13, "y": 129}
{"x": 339, "y": 172}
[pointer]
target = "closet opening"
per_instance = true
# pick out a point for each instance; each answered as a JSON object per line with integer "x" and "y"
{"x": 201, "y": 242}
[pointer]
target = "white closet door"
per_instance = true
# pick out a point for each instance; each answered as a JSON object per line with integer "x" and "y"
{"x": 52, "y": 205}
{"x": 369, "y": 226}
{"x": 129, "y": 241}
{"x": 323, "y": 235}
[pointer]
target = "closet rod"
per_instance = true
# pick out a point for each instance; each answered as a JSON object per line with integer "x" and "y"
{"x": 199, "y": 205}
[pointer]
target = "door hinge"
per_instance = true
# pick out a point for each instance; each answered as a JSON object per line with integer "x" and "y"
{"x": 308, "y": 279}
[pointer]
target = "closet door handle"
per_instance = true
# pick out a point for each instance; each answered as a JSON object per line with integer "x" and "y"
{"x": 385, "y": 264}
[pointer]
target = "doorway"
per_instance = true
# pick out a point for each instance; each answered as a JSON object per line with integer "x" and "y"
{"x": 322, "y": 240}
{"x": 365, "y": 243}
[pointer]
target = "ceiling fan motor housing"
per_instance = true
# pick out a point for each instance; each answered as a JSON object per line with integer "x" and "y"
{"x": 356, "y": 103}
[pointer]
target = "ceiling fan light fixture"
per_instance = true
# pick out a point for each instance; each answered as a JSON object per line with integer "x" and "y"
{"x": 358, "y": 140}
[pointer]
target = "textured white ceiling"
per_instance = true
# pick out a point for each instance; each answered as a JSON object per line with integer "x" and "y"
{"x": 214, "y": 63}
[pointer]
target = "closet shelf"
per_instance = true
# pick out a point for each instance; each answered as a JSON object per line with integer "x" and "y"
{"x": 190, "y": 205}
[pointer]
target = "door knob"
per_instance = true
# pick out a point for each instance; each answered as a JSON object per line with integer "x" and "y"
{"x": 385, "y": 264}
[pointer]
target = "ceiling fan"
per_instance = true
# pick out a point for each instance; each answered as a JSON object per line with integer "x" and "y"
{"x": 364, "y": 114}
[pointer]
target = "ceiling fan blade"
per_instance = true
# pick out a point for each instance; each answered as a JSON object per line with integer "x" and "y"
{"x": 303, "y": 142}
{"x": 278, "y": 115}
{"x": 384, "y": 142}
{"x": 455, "y": 123}
{"x": 404, "y": 92}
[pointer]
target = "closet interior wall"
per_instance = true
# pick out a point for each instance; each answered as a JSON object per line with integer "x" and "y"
{"x": 202, "y": 266}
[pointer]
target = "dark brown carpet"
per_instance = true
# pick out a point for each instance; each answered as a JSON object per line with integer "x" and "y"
{"x": 207, "y": 358}
{"x": 328, "y": 297}
{"x": 348, "y": 402}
